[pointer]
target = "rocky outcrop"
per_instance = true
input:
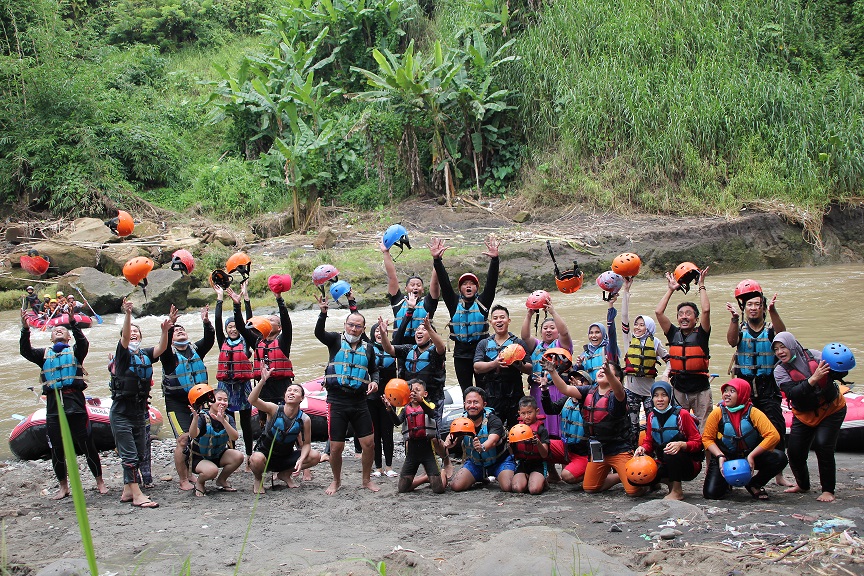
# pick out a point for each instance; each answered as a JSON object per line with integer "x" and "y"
{"x": 104, "y": 292}
{"x": 164, "y": 288}
{"x": 273, "y": 224}
{"x": 88, "y": 231}
{"x": 113, "y": 257}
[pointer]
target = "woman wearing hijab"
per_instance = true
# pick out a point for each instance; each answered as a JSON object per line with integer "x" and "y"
{"x": 818, "y": 410}
{"x": 736, "y": 430}
{"x": 640, "y": 361}
{"x": 602, "y": 344}
{"x": 672, "y": 438}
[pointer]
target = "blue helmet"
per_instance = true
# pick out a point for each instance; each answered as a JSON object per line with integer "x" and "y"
{"x": 339, "y": 289}
{"x": 737, "y": 472}
{"x": 396, "y": 235}
{"x": 838, "y": 357}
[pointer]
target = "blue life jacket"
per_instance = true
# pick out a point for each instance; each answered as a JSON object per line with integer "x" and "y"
{"x": 188, "y": 373}
{"x": 60, "y": 369}
{"x": 754, "y": 356}
{"x": 419, "y": 365}
{"x": 662, "y": 435}
{"x": 593, "y": 362}
{"x": 493, "y": 349}
{"x": 382, "y": 359}
{"x": 349, "y": 369}
{"x": 469, "y": 324}
{"x": 283, "y": 430}
{"x": 416, "y": 318}
{"x": 735, "y": 444}
{"x": 135, "y": 382}
{"x": 213, "y": 443}
{"x": 537, "y": 355}
{"x": 572, "y": 425}
{"x": 487, "y": 458}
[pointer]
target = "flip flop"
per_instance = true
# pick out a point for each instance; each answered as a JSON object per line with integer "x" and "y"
{"x": 757, "y": 493}
{"x": 146, "y": 504}
{"x": 198, "y": 491}
{"x": 226, "y": 488}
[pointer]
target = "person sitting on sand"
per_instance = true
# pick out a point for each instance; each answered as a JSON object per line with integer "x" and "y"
{"x": 485, "y": 452}
{"x": 419, "y": 430}
{"x": 286, "y": 428}
{"x": 672, "y": 438}
{"x": 531, "y": 455}
{"x": 212, "y": 432}
{"x": 571, "y": 450}
{"x": 736, "y": 430}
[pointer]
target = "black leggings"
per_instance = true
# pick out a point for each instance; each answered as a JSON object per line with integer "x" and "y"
{"x": 770, "y": 405}
{"x": 383, "y": 428}
{"x": 680, "y": 467}
{"x": 79, "y": 425}
{"x": 246, "y": 427}
{"x": 464, "y": 372}
{"x": 823, "y": 439}
{"x": 768, "y": 465}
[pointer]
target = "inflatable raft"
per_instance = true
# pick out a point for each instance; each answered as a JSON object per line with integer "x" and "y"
{"x": 34, "y": 321}
{"x": 851, "y": 437}
{"x": 29, "y": 439}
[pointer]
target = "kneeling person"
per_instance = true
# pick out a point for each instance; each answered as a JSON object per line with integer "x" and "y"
{"x": 286, "y": 427}
{"x": 420, "y": 430}
{"x": 212, "y": 432}
{"x": 531, "y": 455}
{"x": 485, "y": 453}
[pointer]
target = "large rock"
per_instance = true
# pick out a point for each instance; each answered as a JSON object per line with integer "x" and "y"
{"x": 542, "y": 550}
{"x": 146, "y": 229}
{"x": 273, "y": 224}
{"x": 662, "y": 509}
{"x": 17, "y": 233}
{"x": 326, "y": 239}
{"x": 164, "y": 288}
{"x": 88, "y": 230}
{"x": 176, "y": 238}
{"x": 66, "y": 257}
{"x": 112, "y": 258}
{"x": 104, "y": 292}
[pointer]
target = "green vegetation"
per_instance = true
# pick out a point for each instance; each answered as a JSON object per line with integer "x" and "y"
{"x": 235, "y": 107}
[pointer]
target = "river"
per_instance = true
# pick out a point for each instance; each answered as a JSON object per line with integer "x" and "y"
{"x": 817, "y": 305}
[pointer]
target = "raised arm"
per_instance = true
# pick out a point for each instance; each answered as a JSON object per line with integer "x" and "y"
{"x": 162, "y": 346}
{"x": 255, "y": 395}
{"x": 437, "y": 339}
{"x": 488, "y": 295}
{"x": 451, "y": 299}
{"x": 612, "y": 351}
{"x": 625, "y": 305}
{"x": 525, "y": 332}
{"x": 660, "y": 311}
{"x": 286, "y": 336}
{"x": 733, "y": 334}
{"x": 776, "y": 322}
{"x": 244, "y": 292}
{"x": 220, "y": 296}
{"x": 125, "y": 332}
{"x": 705, "y": 317}
{"x": 390, "y": 269}
{"x": 563, "y": 387}
{"x": 386, "y": 345}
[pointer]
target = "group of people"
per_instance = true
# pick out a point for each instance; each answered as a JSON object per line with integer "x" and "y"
{"x": 50, "y": 306}
{"x": 524, "y": 413}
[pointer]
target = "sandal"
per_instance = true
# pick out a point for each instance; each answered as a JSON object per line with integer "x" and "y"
{"x": 146, "y": 504}
{"x": 199, "y": 493}
{"x": 757, "y": 493}
{"x": 226, "y": 488}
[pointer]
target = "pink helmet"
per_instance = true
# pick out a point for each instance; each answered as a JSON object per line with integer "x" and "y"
{"x": 323, "y": 274}
{"x": 538, "y": 300}
{"x": 611, "y": 283}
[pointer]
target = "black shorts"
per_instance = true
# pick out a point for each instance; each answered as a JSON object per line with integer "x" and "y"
{"x": 280, "y": 461}
{"x": 196, "y": 459}
{"x": 179, "y": 415}
{"x": 339, "y": 416}
{"x": 419, "y": 452}
{"x": 529, "y": 466}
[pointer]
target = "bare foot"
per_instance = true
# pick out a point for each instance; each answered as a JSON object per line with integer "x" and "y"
{"x": 675, "y": 495}
{"x": 334, "y": 486}
{"x": 325, "y": 457}
{"x": 794, "y": 489}
{"x": 307, "y": 475}
{"x": 62, "y": 493}
{"x": 248, "y": 468}
{"x": 826, "y": 497}
{"x": 780, "y": 480}
{"x": 286, "y": 477}
{"x": 257, "y": 487}
{"x": 369, "y": 485}
{"x": 448, "y": 471}
{"x": 100, "y": 486}
{"x": 186, "y": 485}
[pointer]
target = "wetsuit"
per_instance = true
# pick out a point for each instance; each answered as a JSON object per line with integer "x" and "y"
{"x": 466, "y": 344}
{"x": 175, "y": 388}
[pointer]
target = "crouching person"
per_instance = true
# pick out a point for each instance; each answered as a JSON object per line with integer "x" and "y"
{"x": 212, "y": 433}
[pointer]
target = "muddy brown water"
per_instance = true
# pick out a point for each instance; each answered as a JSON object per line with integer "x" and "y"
{"x": 818, "y": 305}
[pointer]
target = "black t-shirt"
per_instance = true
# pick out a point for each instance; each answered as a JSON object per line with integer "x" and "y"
{"x": 690, "y": 383}
{"x": 501, "y": 382}
{"x": 122, "y": 359}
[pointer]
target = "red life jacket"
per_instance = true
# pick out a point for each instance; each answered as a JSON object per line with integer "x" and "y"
{"x": 813, "y": 364}
{"x": 269, "y": 352}
{"x": 686, "y": 356}
{"x": 418, "y": 426}
{"x": 599, "y": 424}
{"x": 233, "y": 364}
{"x": 527, "y": 450}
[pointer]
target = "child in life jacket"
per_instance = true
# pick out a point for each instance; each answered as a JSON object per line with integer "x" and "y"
{"x": 571, "y": 450}
{"x": 212, "y": 433}
{"x": 735, "y": 430}
{"x": 419, "y": 430}
{"x": 530, "y": 454}
{"x": 672, "y": 438}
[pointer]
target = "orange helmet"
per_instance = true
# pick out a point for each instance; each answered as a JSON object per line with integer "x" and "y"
{"x": 512, "y": 353}
{"x": 279, "y": 283}
{"x": 137, "y": 269}
{"x": 462, "y": 426}
{"x": 201, "y": 393}
{"x": 538, "y": 300}
{"x": 398, "y": 392}
{"x": 35, "y": 264}
{"x": 260, "y": 325}
{"x": 684, "y": 274}
{"x": 182, "y": 261}
{"x": 122, "y": 225}
{"x": 560, "y": 357}
{"x": 627, "y": 264}
{"x": 239, "y": 261}
{"x": 641, "y": 470}
{"x": 520, "y": 433}
{"x": 569, "y": 281}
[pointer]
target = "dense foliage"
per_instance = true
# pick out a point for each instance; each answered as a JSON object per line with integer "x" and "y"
{"x": 235, "y": 107}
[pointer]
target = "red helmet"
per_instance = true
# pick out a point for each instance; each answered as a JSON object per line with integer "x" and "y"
{"x": 323, "y": 274}
{"x": 241, "y": 262}
{"x": 538, "y": 300}
{"x": 279, "y": 283}
{"x": 468, "y": 277}
{"x": 627, "y": 264}
{"x": 684, "y": 274}
{"x": 746, "y": 290}
{"x": 34, "y": 264}
{"x": 182, "y": 261}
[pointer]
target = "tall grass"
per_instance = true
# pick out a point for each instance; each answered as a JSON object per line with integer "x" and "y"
{"x": 687, "y": 106}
